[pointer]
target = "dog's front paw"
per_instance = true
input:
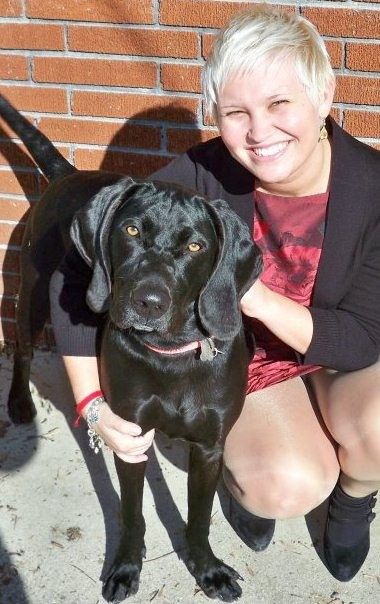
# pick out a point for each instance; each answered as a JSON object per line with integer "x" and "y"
{"x": 122, "y": 582}
{"x": 217, "y": 580}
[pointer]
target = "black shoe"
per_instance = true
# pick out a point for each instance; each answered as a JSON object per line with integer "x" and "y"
{"x": 256, "y": 532}
{"x": 347, "y": 533}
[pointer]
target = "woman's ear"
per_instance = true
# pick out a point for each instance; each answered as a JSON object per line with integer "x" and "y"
{"x": 327, "y": 99}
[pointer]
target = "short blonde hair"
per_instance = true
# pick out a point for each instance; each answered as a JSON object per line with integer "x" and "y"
{"x": 263, "y": 31}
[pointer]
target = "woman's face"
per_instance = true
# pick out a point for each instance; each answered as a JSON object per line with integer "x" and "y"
{"x": 270, "y": 126}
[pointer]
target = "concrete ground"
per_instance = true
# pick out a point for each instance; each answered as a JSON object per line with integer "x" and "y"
{"x": 59, "y": 520}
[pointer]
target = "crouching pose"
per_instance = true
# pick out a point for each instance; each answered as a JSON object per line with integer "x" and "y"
{"x": 310, "y": 425}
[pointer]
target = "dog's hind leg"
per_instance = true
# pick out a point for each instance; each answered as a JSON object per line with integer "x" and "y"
{"x": 31, "y": 314}
{"x": 215, "y": 578}
{"x": 124, "y": 576}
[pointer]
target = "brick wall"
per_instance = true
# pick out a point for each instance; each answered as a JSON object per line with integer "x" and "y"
{"x": 117, "y": 85}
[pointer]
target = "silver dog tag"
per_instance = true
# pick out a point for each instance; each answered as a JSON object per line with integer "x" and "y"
{"x": 208, "y": 350}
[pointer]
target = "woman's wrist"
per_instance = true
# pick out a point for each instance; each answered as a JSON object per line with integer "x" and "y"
{"x": 290, "y": 321}
{"x": 256, "y": 301}
{"x": 84, "y": 404}
{"x": 89, "y": 409}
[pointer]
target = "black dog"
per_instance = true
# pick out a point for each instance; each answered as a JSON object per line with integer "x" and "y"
{"x": 168, "y": 268}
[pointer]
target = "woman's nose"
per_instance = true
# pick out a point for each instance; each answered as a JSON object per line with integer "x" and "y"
{"x": 258, "y": 128}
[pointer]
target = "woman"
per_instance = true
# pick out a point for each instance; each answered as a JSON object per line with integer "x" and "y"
{"x": 310, "y": 425}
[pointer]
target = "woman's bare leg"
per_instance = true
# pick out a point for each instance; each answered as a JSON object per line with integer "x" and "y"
{"x": 279, "y": 460}
{"x": 350, "y": 406}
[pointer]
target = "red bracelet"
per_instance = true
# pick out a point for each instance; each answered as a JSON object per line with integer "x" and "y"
{"x": 82, "y": 404}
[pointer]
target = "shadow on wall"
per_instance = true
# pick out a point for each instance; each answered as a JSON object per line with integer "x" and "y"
{"x": 125, "y": 154}
{"x": 136, "y": 165}
{"x": 157, "y": 128}
{"x": 31, "y": 184}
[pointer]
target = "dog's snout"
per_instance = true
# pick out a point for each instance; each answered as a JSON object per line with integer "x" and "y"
{"x": 152, "y": 302}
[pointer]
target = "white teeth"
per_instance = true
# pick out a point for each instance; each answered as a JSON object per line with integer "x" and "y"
{"x": 267, "y": 151}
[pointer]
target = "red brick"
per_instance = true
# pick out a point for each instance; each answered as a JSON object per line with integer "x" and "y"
{"x": 362, "y": 123}
{"x": 335, "y": 50}
{"x": 12, "y": 154}
{"x": 358, "y": 90}
{"x": 201, "y": 13}
{"x": 93, "y": 132}
{"x": 43, "y": 341}
{"x": 363, "y": 57}
{"x": 10, "y": 8}
{"x": 13, "y": 67}
{"x": 208, "y": 119}
{"x": 337, "y": 114}
{"x": 11, "y": 209}
{"x": 5, "y": 130}
{"x": 9, "y": 284}
{"x": 136, "y": 106}
{"x": 10, "y": 261}
{"x": 117, "y": 11}
{"x": 34, "y": 98}
{"x": 8, "y": 308}
{"x": 180, "y": 140}
{"x": 207, "y": 44}
{"x": 100, "y": 72}
{"x": 137, "y": 42}
{"x": 344, "y": 22}
{"x": 19, "y": 183}
{"x": 184, "y": 78}
{"x": 11, "y": 234}
{"x": 29, "y": 36}
{"x": 8, "y": 331}
{"x": 133, "y": 164}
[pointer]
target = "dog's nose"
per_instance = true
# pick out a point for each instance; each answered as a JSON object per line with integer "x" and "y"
{"x": 150, "y": 302}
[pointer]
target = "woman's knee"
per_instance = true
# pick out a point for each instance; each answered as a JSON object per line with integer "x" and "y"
{"x": 349, "y": 403}
{"x": 359, "y": 452}
{"x": 288, "y": 491}
{"x": 356, "y": 429}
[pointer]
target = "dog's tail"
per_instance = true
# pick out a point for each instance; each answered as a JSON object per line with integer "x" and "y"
{"x": 47, "y": 157}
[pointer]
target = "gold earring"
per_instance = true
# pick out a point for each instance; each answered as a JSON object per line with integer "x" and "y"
{"x": 323, "y": 134}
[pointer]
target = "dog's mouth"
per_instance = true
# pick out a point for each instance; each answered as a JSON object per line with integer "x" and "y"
{"x": 145, "y": 328}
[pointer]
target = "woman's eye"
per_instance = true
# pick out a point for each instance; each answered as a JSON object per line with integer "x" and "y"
{"x": 132, "y": 231}
{"x": 194, "y": 247}
{"x": 279, "y": 102}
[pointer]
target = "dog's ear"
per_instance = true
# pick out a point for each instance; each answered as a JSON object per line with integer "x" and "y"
{"x": 90, "y": 231}
{"x": 236, "y": 268}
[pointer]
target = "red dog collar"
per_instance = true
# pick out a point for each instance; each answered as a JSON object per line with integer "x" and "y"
{"x": 207, "y": 346}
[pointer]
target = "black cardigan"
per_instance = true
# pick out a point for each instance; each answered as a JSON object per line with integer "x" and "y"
{"x": 346, "y": 298}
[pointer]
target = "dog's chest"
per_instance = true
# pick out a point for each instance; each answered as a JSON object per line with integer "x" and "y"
{"x": 182, "y": 405}
{"x": 187, "y": 413}
{"x": 183, "y": 397}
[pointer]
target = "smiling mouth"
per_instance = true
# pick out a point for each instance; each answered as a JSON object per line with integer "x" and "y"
{"x": 269, "y": 151}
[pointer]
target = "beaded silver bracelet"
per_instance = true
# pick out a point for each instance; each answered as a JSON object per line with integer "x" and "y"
{"x": 92, "y": 417}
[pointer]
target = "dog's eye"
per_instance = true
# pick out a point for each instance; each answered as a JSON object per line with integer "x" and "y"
{"x": 194, "y": 247}
{"x": 132, "y": 231}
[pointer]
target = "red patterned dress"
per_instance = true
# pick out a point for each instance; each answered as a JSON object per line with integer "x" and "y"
{"x": 289, "y": 231}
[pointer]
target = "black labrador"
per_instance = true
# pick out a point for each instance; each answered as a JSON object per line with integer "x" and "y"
{"x": 168, "y": 269}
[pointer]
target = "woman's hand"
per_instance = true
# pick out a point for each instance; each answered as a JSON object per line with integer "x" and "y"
{"x": 124, "y": 438}
{"x": 289, "y": 321}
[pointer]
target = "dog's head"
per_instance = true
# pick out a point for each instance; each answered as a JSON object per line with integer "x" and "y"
{"x": 162, "y": 256}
